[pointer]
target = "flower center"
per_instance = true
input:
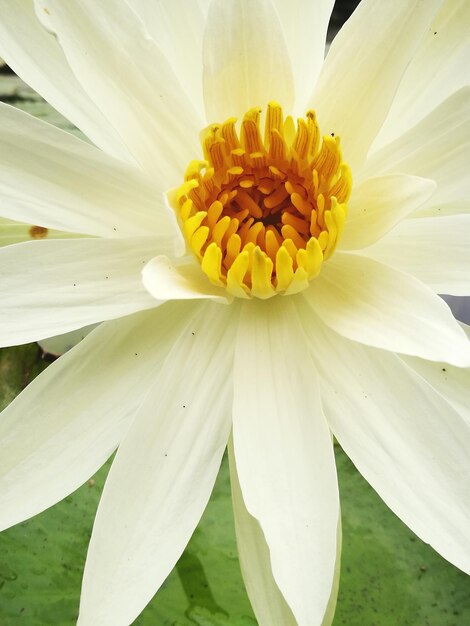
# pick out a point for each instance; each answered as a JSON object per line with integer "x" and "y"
{"x": 261, "y": 215}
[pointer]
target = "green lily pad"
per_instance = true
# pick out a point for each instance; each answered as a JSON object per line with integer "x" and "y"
{"x": 18, "y": 367}
{"x": 388, "y": 575}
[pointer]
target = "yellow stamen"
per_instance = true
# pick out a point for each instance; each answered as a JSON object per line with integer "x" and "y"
{"x": 262, "y": 216}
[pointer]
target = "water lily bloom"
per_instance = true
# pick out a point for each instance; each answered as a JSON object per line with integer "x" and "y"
{"x": 262, "y": 235}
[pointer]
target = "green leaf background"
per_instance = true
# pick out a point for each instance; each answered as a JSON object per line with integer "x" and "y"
{"x": 388, "y": 576}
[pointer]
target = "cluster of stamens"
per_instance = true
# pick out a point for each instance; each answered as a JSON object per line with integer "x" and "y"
{"x": 261, "y": 215}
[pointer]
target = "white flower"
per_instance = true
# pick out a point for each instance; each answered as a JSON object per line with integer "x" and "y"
{"x": 366, "y": 350}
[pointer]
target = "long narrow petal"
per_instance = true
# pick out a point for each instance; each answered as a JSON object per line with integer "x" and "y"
{"x": 378, "y": 204}
{"x": 35, "y": 55}
{"x": 255, "y": 561}
{"x": 204, "y": 6}
{"x": 266, "y": 600}
{"x": 403, "y": 437}
{"x": 374, "y": 304}
{"x": 438, "y": 69}
{"x": 284, "y": 455}
{"x": 456, "y": 207}
{"x": 305, "y": 24}
{"x": 131, "y": 82}
{"x": 453, "y": 383}
{"x": 67, "y": 422}
{"x": 164, "y": 471}
{"x": 363, "y": 69}
{"x": 177, "y": 27}
{"x": 436, "y": 148}
{"x": 165, "y": 279}
{"x": 436, "y": 250}
{"x": 60, "y": 344}
{"x": 50, "y": 178}
{"x": 246, "y": 63}
{"x": 51, "y": 287}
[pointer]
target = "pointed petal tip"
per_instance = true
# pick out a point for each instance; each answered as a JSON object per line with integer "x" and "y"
{"x": 167, "y": 279}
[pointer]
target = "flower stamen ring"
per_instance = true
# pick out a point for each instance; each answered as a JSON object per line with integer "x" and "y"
{"x": 261, "y": 215}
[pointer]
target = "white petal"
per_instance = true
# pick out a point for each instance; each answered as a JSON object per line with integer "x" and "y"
{"x": 284, "y": 455}
{"x": 60, "y": 344}
{"x": 438, "y": 69}
{"x": 436, "y": 148}
{"x": 204, "y": 6}
{"x": 332, "y": 602}
{"x": 35, "y": 55}
{"x": 255, "y": 562}
{"x": 378, "y": 204}
{"x": 67, "y": 422}
{"x": 266, "y": 600}
{"x": 305, "y": 24}
{"x": 246, "y": 63}
{"x": 131, "y": 82}
{"x": 453, "y": 383}
{"x": 17, "y": 232}
{"x": 374, "y": 304}
{"x": 164, "y": 471}
{"x": 363, "y": 69}
{"x": 177, "y": 27}
{"x": 166, "y": 279}
{"x": 402, "y": 436}
{"x": 51, "y": 287}
{"x": 13, "y": 232}
{"x": 436, "y": 250}
{"x": 445, "y": 208}
{"x": 51, "y": 178}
